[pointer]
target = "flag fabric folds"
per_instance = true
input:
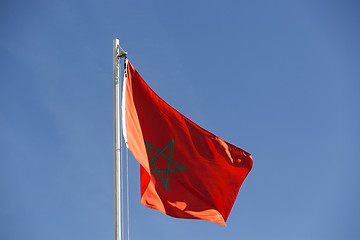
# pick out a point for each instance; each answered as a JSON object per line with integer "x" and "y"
{"x": 185, "y": 171}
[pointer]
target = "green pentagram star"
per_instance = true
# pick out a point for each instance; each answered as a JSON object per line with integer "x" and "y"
{"x": 161, "y": 153}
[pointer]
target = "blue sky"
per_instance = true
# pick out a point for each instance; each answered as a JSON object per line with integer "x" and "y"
{"x": 279, "y": 79}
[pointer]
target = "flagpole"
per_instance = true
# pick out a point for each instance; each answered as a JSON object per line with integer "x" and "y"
{"x": 118, "y": 53}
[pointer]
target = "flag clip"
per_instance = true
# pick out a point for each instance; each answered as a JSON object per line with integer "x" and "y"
{"x": 120, "y": 52}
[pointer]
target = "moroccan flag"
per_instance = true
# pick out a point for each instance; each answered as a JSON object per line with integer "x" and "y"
{"x": 185, "y": 171}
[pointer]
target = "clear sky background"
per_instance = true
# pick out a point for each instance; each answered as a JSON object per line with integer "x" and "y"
{"x": 280, "y": 79}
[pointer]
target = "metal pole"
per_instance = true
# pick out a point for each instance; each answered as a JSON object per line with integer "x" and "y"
{"x": 118, "y": 53}
{"x": 117, "y": 140}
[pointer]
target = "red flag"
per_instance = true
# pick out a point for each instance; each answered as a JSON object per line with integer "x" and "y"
{"x": 185, "y": 171}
